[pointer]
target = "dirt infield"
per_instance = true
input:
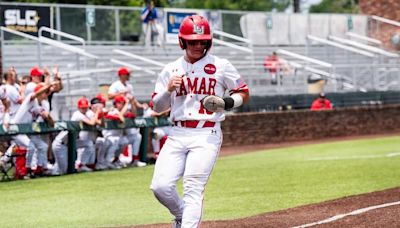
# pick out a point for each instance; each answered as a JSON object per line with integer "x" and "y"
{"x": 386, "y": 216}
{"x": 376, "y": 209}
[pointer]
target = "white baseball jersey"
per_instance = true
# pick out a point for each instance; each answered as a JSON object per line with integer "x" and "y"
{"x": 46, "y": 106}
{"x": 208, "y": 76}
{"x": 79, "y": 116}
{"x": 13, "y": 96}
{"x": 112, "y": 114}
{"x": 30, "y": 88}
{"x": 118, "y": 86}
{"x": 28, "y": 112}
{"x": 3, "y": 95}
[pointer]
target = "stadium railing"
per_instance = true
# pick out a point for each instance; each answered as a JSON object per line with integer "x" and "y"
{"x": 74, "y": 127}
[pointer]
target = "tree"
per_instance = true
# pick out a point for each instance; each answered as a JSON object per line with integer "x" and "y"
{"x": 337, "y": 6}
{"x": 161, "y": 3}
{"x": 251, "y": 5}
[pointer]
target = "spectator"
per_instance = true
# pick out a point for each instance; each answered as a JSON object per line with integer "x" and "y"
{"x": 276, "y": 66}
{"x": 321, "y": 103}
{"x": 148, "y": 17}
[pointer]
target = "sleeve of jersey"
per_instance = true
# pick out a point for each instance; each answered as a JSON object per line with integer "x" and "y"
{"x": 112, "y": 117}
{"x": 233, "y": 81}
{"x": 112, "y": 88}
{"x": 78, "y": 116}
{"x": 162, "y": 82}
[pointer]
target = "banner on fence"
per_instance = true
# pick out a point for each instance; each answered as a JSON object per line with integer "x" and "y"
{"x": 174, "y": 17}
{"x": 26, "y": 19}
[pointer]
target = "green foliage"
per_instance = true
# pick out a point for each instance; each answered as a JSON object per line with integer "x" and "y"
{"x": 259, "y": 182}
{"x": 161, "y": 3}
{"x": 335, "y": 6}
{"x": 254, "y": 5}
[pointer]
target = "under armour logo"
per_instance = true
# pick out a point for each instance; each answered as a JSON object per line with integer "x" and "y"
{"x": 198, "y": 29}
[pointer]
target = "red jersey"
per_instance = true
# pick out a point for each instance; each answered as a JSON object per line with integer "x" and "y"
{"x": 321, "y": 104}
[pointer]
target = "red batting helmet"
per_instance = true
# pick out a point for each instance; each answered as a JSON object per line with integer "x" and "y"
{"x": 119, "y": 99}
{"x": 194, "y": 27}
{"x": 83, "y": 102}
{"x": 35, "y": 72}
{"x": 123, "y": 71}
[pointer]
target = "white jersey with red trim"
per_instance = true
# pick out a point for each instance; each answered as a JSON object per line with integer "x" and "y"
{"x": 29, "y": 111}
{"x": 13, "y": 96}
{"x": 79, "y": 116}
{"x": 210, "y": 75}
{"x": 113, "y": 114}
{"x": 118, "y": 87}
{"x": 3, "y": 96}
{"x": 30, "y": 88}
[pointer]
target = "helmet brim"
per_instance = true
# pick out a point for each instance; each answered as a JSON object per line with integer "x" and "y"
{"x": 196, "y": 37}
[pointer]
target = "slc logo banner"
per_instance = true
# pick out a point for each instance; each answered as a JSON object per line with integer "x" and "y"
{"x": 26, "y": 19}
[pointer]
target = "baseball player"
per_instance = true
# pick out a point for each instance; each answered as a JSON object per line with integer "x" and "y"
{"x": 159, "y": 134}
{"x": 122, "y": 87}
{"x": 60, "y": 152}
{"x": 193, "y": 87}
{"x": 115, "y": 140}
{"x": 86, "y": 139}
{"x": 37, "y": 76}
{"x": 4, "y": 120}
{"x": 100, "y": 101}
{"x": 28, "y": 112}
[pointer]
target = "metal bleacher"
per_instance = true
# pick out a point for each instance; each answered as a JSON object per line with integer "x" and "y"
{"x": 350, "y": 72}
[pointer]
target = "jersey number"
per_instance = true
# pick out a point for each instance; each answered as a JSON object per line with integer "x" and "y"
{"x": 202, "y": 110}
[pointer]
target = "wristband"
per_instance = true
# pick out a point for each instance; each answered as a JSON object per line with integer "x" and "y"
{"x": 233, "y": 101}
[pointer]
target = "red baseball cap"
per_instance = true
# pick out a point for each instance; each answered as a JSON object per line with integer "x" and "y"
{"x": 35, "y": 72}
{"x": 101, "y": 98}
{"x": 123, "y": 71}
{"x": 83, "y": 102}
{"x": 119, "y": 99}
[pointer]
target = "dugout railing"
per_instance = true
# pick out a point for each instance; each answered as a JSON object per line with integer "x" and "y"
{"x": 73, "y": 128}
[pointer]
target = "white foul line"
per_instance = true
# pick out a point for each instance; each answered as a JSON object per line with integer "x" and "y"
{"x": 356, "y": 212}
{"x": 354, "y": 157}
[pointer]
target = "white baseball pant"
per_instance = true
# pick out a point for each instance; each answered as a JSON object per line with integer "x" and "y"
{"x": 158, "y": 134}
{"x": 191, "y": 153}
{"x": 85, "y": 149}
{"x": 134, "y": 138}
{"x": 24, "y": 141}
{"x": 60, "y": 151}
{"x": 114, "y": 148}
{"x": 41, "y": 150}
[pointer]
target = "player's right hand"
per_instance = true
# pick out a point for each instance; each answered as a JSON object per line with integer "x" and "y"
{"x": 175, "y": 82}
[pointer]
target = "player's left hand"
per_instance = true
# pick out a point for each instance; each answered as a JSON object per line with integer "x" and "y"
{"x": 214, "y": 103}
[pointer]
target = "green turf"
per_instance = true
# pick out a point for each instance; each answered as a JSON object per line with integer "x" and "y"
{"x": 240, "y": 186}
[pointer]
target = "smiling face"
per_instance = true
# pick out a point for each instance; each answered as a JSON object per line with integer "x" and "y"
{"x": 195, "y": 50}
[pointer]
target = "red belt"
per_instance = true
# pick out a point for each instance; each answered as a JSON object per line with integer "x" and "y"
{"x": 193, "y": 123}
